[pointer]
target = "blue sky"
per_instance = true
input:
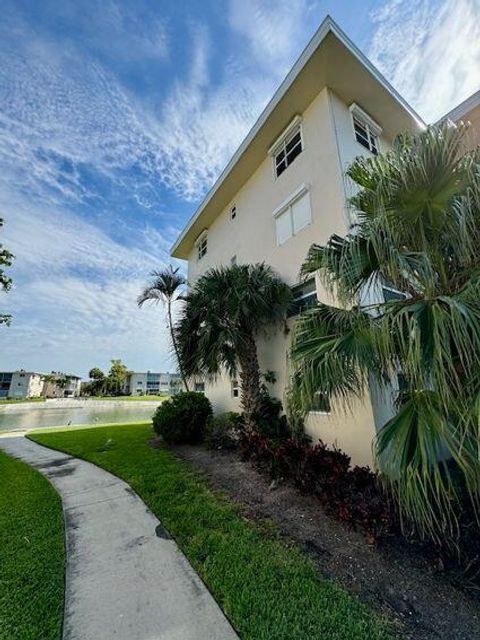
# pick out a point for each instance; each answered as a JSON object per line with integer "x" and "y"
{"x": 117, "y": 115}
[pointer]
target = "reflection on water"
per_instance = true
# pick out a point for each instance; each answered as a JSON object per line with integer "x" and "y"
{"x": 33, "y": 418}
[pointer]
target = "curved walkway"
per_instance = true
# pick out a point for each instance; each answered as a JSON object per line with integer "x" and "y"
{"x": 126, "y": 578}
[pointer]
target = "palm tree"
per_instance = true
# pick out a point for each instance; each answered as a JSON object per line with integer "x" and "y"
{"x": 165, "y": 288}
{"x": 418, "y": 232}
{"x": 225, "y": 311}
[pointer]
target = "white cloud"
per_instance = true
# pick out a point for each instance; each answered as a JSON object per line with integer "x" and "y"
{"x": 430, "y": 51}
{"x": 275, "y": 30}
{"x": 74, "y": 295}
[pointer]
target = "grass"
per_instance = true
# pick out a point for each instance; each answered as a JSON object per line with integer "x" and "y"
{"x": 268, "y": 588}
{"x": 20, "y": 400}
{"x": 31, "y": 554}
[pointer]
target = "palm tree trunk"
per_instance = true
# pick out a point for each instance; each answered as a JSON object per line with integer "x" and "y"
{"x": 175, "y": 346}
{"x": 250, "y": 398}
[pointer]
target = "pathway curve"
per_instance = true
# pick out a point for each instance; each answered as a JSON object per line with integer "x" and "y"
{"x": 126, "y": 579}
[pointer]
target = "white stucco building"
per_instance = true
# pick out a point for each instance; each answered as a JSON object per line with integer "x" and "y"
{"x": 285, "y": 188}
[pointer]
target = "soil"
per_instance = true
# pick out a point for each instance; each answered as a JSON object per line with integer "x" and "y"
{"x": 394, "y": 578}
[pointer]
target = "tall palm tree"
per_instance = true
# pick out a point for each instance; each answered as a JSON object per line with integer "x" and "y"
{"x": 225, "y": 311}
{"x": 165, "y": 288}
{"x": 418, "y": 232}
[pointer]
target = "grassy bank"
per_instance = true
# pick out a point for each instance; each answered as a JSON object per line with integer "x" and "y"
{"x": 267, "y": 587}
{"x": 20, "y": 400}
{"x": 31, "y": 554}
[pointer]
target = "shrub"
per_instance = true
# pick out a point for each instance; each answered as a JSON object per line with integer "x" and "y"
{"x": 182, "y": 418}
{"x": 223, "y": 431}
{"x": 269, "y": 420}
{"x": 352, "y": 496}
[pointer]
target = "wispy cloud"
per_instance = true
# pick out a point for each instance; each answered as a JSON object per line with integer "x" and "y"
{"x": 74, "y": 297}
{"x": 429, "y": 50}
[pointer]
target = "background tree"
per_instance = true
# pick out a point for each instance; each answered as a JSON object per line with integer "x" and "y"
{"x": 117, "y": 377}
{"x": 225, "y": 311}
{"x": 418, "y": 231}
{"x": 98, "y": 379}
{"x": 6, "y": 260}
{"x": 166, "y": 288}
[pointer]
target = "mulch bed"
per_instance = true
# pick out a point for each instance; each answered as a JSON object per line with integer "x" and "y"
{"x": 393, "y": 578}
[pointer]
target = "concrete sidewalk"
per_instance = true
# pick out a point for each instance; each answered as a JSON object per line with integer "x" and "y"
{"x": 126, "y": 578}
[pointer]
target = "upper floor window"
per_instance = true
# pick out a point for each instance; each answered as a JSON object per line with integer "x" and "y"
{"x": 366, "y": 130}
{"x": 287, "y": 147}
{"x": 233, "y": 212}
{"x": 304, "y": 297}
{"x": 293, "y": 215}
{"x": 202, "y": 245}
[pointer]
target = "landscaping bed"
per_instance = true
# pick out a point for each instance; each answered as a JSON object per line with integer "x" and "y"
{"x": 32, "y": 554}
{"x": 391, "y": 577}
{"x": 267, "y": 586}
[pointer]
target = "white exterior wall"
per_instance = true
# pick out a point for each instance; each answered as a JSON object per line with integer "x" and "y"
{"x": 25, "y": 384}
{"x": 137, "y": 382}
{"x": 329, "y": 146}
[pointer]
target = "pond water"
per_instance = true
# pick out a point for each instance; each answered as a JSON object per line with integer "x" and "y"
{"x": 31, "y": 417}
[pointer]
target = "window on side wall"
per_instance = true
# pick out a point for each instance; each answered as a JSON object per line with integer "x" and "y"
{"x": 287, "y": 147}
{"x": 200, "y": 387}
{"x": 304, "y": 297}
{"x": 365, "y": 129}
{"x": 321, "y": 403}
{"x": 202, "y": 245}
{"x": 233, "y": 212}
{"x": 235, "y": 388}
{"x": 293, "y": 216}
{"x": 391, "y": 295}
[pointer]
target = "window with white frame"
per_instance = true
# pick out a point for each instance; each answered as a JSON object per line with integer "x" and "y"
{"x": 320, "y": 403}
{"x": 202, "y": 245}
{"x": 235, "y": 388}
{"x": 233, "y": 212}
{"x": 293, "y": 215}
{"x": 366, "y": 130}
{"x": 392, "y": 295}
{"x": 287, "y": 147}
{"x": 304, "y": 297}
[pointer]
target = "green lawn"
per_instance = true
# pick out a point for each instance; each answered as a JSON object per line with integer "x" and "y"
{"x": 31, "y": 554}
{"x": 267, "y": 587}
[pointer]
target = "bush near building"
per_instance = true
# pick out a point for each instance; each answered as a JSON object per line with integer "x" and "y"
{"x": 182, "y": 419}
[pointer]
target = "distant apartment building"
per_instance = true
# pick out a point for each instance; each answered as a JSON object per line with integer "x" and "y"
{"x": 61, "y": 385}
{"x": 18, "y": 385}
{"x": 149, "y": 383}
{"x": 285, "y": 188}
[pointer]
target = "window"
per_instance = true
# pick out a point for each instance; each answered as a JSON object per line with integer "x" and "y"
{"x": 287, "y": 147}
{"x": 202, "y": 245}
{"x": 391, "y": 295}
{"x": 304, "y": 297}
{"x": 321, "y": 403}
{"x": 293, "y": 216}
{"x": 233, "y": 260}
{"x": 235, "y": 389}
{"x": 366, "y": 130}
{"x": 233, "y": 212}
{"x": 200, "y": 387}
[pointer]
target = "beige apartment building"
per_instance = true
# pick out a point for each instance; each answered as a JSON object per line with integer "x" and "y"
{"x": 285, "y": 188}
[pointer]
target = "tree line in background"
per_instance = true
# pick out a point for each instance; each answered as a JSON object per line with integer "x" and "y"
{"x": 110, "y": 384}
{"x": 6, "y": 260}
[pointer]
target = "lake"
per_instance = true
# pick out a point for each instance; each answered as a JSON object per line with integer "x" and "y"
{"x": 32, "y": 416}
